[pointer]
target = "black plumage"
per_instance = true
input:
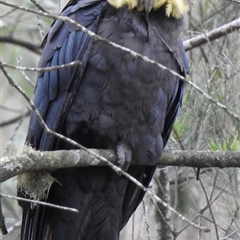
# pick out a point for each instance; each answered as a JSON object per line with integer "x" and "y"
{"x": 112, "y": 98}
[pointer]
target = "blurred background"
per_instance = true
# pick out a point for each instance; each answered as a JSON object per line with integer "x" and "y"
{"x": 215, "y": 67}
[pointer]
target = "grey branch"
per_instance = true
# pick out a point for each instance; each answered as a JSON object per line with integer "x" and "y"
{"x": 32, "y": 47}
{"x": 209, "y": 36}
{"x": 40, "y": 202}
{"x": 32, "y": 160}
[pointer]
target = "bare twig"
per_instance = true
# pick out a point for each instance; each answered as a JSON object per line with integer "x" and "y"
{"x": 10, "y": 141}
{"x": 10, "y": 109}
{"x": 7, "y": 13}
{"x": 235, "y": 1}
{"x": 32, "y": 47}
{"x": 163, "y": 216}
{"x": 38, "y": 6}
{"x": 16, "y": 119}
{"x": 209, "y": 208}
{"x": 40, "y": 203}
{"x": 31, "y": 69}
{"x": 41, "y": 29}
{"x": 25, "y": 76}
{"x": 133, "y": 226}
{"x": 145, "y": 211}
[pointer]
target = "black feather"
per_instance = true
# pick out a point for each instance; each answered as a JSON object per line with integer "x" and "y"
{"x": 111, "y": 97}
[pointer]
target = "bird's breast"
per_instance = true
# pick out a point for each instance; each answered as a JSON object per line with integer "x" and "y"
{"x": 122, "y": 96}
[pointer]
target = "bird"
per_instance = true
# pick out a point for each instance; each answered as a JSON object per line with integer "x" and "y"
{"x": 111, "y": 100}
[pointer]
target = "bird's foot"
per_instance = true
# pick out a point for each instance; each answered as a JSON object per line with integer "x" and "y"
{"x": 124, "y": 155}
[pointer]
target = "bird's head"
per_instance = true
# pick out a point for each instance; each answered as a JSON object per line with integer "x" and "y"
{"x": 174, "y": 8}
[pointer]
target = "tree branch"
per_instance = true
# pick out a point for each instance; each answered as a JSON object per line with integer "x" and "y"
{"x": 32, "y": 47}
{"x": 32, "y": 160}
{"x": 40, "y": 202}
{"x": 38, "y": 6}
{"x": 15, "y": 119}
{"x": 212, "y": 35}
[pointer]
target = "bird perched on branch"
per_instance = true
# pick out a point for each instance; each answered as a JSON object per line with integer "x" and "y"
{"x": 112, "y": 100}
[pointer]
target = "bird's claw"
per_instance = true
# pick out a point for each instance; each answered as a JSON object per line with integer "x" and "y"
{"x": 124, "y": 155}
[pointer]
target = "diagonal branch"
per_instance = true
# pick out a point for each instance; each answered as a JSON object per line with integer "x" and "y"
{"x": 38, "y": 5}
{"x": 15, "y": 119}
{"x": 40, "y": 202}
{"x": 212, "y": 35}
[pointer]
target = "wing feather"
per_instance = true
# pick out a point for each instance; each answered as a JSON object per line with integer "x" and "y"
{"x": 62, "y": 45}
{"x": 54, "y": 92}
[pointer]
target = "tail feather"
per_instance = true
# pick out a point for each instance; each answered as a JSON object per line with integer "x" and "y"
{"x": 30, "y": 223}
{"x": 98, "y": 197}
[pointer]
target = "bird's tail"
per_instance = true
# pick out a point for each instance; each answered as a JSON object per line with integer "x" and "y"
{"x": 98, "y": 195}
{"x": 33, "y": 222}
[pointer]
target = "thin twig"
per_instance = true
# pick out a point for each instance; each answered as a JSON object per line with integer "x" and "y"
{"x": 146, "y": 219}
{"x": 32, "y": 69}
{"x": 10, "y": 109}
{"x": 210, "y": 208}
{"x": 38, "y": 6}
{"x": 32, "y": 47}
{"x": 133, "y": 226}
{"x": 25, "y": 76}
{"x": 40, "y": 203}
{"x": 10, "y": 141}
{"x": 16, "y": 119}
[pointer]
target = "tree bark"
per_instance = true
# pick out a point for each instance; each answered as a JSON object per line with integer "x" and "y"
{"x": 32, "y": 160}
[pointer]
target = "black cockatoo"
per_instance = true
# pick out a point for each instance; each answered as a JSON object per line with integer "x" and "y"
{"x": 113, "y": 100}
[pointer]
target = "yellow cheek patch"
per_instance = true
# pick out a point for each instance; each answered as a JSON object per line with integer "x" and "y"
{"x": 174, "y": 8}
{"x": 130, "y": 4}
{"x": 177, "y": 8}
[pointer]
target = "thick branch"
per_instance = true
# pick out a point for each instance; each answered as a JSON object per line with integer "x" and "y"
{"x": 32, "y": 160}
{"x": 212, "y": 35}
